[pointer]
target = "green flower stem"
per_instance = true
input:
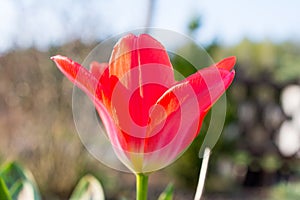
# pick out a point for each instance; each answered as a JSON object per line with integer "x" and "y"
{"x": 141, "y": 186}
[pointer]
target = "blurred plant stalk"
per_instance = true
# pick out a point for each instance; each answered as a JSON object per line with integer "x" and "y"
{"x": 202, "y": 174}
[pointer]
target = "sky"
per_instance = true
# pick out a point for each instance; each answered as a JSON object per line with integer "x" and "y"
{"x": 40, "y": 23}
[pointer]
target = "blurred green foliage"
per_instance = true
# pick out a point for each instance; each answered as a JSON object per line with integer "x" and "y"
{"x": 19, "y": 182}
{"x": 4, "y": 192}
{"x": 167, "y": 193}
{"x": 285, "y": 191}
{"x": 88, "y": 188}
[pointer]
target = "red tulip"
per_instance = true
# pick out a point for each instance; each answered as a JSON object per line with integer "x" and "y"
{"x": 149, "y": 117}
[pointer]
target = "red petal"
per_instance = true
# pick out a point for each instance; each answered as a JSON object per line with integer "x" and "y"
{"x": 177, "y": 107}
{"x": 88, "y": 83}
{"x": 175, "y": 118}
{"x": 77, "y": 74}
{"x": 136, "y": 51}
{"x": 97, "y": 69}
{"x": 142, "y": 66}
{"x": 227, "y": 63}
{"x": 180, "y": 108}
{"x": 208, "y": 84}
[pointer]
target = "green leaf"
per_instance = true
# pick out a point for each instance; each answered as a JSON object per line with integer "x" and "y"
{"x": 19, "y": 181}
{"x": 168, "y": 193}
{"x": 4, "y": 193}
{"x": 22, "y": 190}
{"x": 88, "y": 188}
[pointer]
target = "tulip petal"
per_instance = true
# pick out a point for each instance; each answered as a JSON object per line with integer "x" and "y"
{"x": 101, "y": 72}
{"x": 185, "y": 105}
{"x": 142, "y": 66}
{"x": 227, "y": 63}
{"x": 208, "y": 84}
{"x": 86, "y": 81}
{"x": 77, "y": 74}
{"x": 135, "y": 51}
{"x": 176, "y": 106}
{"x": 97, "y": 69}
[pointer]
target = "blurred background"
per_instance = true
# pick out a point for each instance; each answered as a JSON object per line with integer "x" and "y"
{"x": 257, "y": 156}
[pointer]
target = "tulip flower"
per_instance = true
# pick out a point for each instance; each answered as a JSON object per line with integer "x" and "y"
{"x": 150, "y": 118}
